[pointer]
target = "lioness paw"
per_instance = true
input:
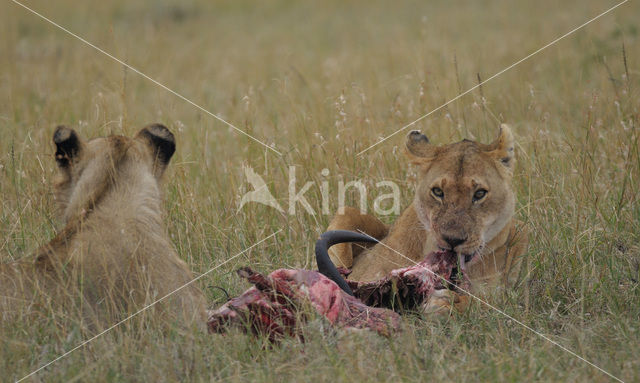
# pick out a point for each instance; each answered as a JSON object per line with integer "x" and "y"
{"x": 445, "y": 301}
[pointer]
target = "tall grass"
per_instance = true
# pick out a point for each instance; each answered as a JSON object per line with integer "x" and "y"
{"x": 322, "y": 82}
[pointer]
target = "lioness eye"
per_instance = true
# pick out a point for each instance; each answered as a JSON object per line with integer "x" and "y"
{"x": 437, "y": 192}
{"x": 479, "y": 194}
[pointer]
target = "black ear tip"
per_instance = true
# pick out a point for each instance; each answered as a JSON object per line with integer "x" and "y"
{"x": 161, "y": 131}
{"x": 416, "y": 136}
{"x": 63, "y": 134}
{"x": 162, "y": 140}
{"x": 67, "y": 144}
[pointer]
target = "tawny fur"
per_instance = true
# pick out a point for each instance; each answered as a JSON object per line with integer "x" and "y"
{"x": 490, "y": 231}
{"x": 113, "y": 248}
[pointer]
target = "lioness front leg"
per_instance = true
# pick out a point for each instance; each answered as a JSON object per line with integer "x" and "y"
{"x": 349, "y": 218}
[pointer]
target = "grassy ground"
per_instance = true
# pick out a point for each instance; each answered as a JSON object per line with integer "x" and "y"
{"x": 322, "y": 81}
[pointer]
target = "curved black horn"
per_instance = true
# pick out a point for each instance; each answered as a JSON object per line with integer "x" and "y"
{"x": 328, "y": 239}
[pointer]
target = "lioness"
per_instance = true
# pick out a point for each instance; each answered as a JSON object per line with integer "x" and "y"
{"x": 113, "y": 249}
{"x": 464, "y": 202}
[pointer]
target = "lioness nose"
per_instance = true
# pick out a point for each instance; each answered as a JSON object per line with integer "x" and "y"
{"x": 453, "y": 241}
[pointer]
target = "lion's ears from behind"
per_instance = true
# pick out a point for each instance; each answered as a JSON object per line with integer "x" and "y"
{"x": 420, "y": 151}
{"x": 69, "y": 144}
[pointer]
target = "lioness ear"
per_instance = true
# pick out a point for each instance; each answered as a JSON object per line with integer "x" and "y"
{"x": 502, "y": 148}
{"x": 68, "y": 145}
{"x": 418, "y": 147}
{"x": 162, "y": 143}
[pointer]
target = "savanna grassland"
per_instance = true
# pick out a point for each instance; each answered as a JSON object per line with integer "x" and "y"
{"x": 320, "y": 82}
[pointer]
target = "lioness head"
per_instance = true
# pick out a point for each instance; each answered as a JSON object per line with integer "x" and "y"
{"x": 87, "y": 169}
{"x": 464, "y": 194}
